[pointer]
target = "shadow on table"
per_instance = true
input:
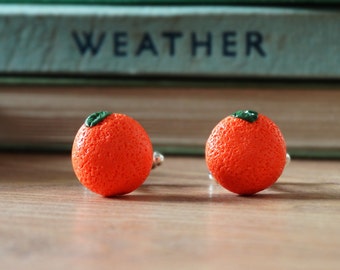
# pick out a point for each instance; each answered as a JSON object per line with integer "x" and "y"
{"x": 305, "y": 191}
{"x": 204, "y": 193}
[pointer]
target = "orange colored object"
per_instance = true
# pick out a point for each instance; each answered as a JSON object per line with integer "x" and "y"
{"x": 112, "y": 154}
{"x": 246, "y": 152}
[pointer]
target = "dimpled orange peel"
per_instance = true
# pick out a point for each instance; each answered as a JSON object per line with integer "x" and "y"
{"x": 112, "y": 154}
{"x": 246, "y": 152}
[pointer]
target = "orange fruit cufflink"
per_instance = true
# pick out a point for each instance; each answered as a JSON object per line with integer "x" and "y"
{"x": 246, "y": 152}
{"x": 112, "y": 154}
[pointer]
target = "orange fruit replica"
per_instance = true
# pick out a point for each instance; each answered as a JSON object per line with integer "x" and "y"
{"x": 246, "y": 152}
{"x": 112, "y": 154}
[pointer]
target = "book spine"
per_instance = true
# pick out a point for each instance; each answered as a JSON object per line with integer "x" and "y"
{"x": 177, "y": 2}
{"x": 183, "y": 41}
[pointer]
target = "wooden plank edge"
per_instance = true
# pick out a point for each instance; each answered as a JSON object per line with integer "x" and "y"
{"x": 171, "y": 150}
{"x": 171, "y": 81}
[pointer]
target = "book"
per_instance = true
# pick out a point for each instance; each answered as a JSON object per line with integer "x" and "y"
{"x": 183, "y": 41}
{"x": 176, "y": 2}
{"x": 178, "y": 115}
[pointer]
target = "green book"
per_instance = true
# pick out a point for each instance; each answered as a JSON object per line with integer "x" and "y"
{"x": 178, "y": 2}
{"x": 210, "y": 41}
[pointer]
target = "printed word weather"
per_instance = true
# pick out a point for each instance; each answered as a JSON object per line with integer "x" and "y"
{"x": 170, "y": 43}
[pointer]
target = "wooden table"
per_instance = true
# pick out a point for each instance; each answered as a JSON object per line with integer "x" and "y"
{"x": 179, "y": 219}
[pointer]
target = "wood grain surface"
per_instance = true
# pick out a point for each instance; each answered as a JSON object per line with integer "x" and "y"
{"x": 175, "y": 116}
{"x": 179, "y": 219}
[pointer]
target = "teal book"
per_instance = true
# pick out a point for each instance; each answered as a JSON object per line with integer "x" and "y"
{"x": 211, "y": 41}
{"x": 178, "y": 2}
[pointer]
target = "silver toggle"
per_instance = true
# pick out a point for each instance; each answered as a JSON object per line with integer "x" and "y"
{"x": 158, "y": 159}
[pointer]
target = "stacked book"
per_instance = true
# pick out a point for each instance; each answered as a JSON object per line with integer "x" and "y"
{"x": 178, "y": 67}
